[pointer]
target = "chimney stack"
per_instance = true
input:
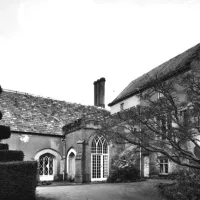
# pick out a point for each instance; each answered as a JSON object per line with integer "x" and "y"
{"x": 95, "y": 93}
{"x": 99, "y": 92}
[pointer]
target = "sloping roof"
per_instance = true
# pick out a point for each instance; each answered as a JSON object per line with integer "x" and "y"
{"x": 28, "y": 113}
{"x": 170, "y": 68}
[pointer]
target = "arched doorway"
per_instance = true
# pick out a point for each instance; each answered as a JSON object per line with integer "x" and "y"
{"x": 71, "y": 164}
{"x": 48, "y": 164}
{"x": 99, "y": 159}
{"x": 46, "y": 167}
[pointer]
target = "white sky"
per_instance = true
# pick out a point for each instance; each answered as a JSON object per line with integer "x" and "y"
{"x": 58, "y": 48}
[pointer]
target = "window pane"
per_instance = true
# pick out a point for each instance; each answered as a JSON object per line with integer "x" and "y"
{"x": 105, "y": 147}
{"x": 93, "y": 150}
{"x": 166, "y": 168}
{"x": 161, "y": 168}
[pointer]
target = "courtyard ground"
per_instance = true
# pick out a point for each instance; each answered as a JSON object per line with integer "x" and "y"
{"x": 145, "y": 190}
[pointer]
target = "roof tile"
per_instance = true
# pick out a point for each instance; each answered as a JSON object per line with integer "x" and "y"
{"x": 28, "y": 113}
{"x": 163, "y": 71}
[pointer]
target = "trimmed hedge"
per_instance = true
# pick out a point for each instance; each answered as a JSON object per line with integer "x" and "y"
{"x": 11, "y": 155}
{"x": 4, "y": 132}
{"x": 3, "y": 146}
{"x": 18, "y": 180}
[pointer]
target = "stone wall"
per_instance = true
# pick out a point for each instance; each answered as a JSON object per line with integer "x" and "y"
{"x": 81, "y": 141}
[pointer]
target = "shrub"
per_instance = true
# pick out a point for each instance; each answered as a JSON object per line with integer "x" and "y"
{"x": 18, "y": 180}
{"x": 11, "y": 155}
{"x": 3, "y": 146}
{"x": 187, "y": 187}
{"x": 124, "y": 166}
{"x": 124, "y": 174}
{"x": 173, "y": 176}
{"x": 4, "y": 132}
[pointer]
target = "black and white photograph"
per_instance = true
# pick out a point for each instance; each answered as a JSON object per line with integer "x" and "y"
{"x": 100, "y": 100}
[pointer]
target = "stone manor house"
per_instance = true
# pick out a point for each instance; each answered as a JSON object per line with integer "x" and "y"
{"x": 154, "y": 163}
{"x": 63, "y": 137}
{"x": 59, "y": 135}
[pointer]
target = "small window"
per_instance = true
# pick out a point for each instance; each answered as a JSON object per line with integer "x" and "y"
{"x": 160, "y": 95}
{"x": 164, "y": 166}
{"x": 163, "y": 123}
{"x": 135, "y": 129}
{"x": 122, "y": 106}
{"x": 183, "y": 117}
{"x": 193, "y": 116}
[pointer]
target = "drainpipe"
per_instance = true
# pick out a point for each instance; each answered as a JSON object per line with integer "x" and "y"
{"x": 140, "y": 133}
{"x": 64, "y": 157}
{"x": 140, "y": 158}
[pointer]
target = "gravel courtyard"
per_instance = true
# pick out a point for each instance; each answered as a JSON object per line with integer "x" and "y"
{"x": 145, "y": 190}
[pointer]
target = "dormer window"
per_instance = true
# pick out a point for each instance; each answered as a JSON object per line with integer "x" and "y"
{"x": 121, "y": 106}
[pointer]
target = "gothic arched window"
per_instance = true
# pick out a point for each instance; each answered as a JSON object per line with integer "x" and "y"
{"x": 99, "y": 157}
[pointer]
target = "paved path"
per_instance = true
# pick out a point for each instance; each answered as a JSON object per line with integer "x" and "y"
{"x": 103, "y": 191}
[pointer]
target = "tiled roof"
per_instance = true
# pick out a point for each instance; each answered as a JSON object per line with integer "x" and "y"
{"x": 28, "y": 113}
{"x": 163, "y": 71}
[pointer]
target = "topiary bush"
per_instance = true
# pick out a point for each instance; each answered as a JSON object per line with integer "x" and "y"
{"x": 18, "y": 180}
{"x": 11, "y": 155}
{"x": 4, "y": 132}
{"x": 3, "y": 146}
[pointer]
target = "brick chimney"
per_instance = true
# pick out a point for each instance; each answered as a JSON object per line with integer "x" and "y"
{"x": 99, "y": 92}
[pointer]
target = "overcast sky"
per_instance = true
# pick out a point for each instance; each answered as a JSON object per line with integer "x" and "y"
{"x": 58, "y": 48}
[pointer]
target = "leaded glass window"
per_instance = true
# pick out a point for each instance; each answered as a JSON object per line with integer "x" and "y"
{"x": 46, "y": 164}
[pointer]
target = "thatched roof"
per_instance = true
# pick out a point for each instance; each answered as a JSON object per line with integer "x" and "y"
{"x": 29, "y": 113}
{"x": 164, "y": 71}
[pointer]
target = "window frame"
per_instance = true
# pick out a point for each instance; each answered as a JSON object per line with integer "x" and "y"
{"x": 164, "y": 123}
{"x": 185, "y": 117}
{"x": 122, "y": 106}
{"x": 164, "y": 162}
{"x": 160, "y": 95}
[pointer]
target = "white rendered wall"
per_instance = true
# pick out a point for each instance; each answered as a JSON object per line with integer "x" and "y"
{"x": 128, "y": 103}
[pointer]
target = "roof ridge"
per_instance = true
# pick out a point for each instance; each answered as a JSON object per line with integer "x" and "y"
{"x": 30, "y": 113}
{"x": 33, "y": 95}
{"x": 49, "y": 98}
{"x": 125, "y": 93}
